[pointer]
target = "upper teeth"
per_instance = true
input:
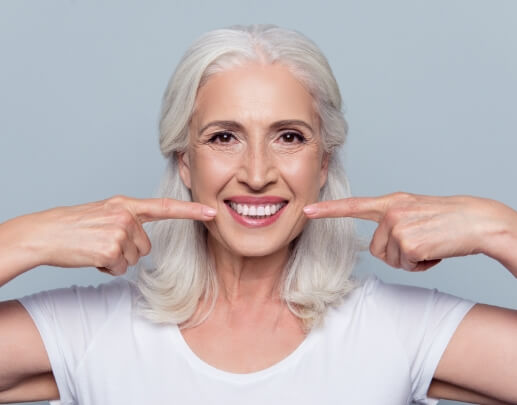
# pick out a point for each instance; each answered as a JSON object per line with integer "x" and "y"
{"x": 256, "y": 210}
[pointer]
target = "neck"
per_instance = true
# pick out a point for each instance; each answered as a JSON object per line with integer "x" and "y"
{"x": 247, "y": 280}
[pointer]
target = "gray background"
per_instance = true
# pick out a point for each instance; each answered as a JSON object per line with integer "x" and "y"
{"x": 429, "y": 87}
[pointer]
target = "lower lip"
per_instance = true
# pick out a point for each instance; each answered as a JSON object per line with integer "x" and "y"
{"x": 255, "y": 222}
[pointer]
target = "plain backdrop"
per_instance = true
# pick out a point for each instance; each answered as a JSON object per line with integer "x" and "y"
{"x": 429, "y": 89}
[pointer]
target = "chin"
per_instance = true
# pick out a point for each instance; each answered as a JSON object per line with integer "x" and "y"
{"x": 249, "y": 246}
{"x": 256, "y": 252}
{"x": 255, "y": 247}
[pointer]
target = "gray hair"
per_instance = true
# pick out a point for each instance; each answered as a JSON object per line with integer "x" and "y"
{"x": 318, "y": 272}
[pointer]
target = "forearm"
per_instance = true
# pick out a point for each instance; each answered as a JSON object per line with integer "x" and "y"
{"x": 36, "y": 388}
{"x": 506, "y": 251}
{"x": 500, "y": 242}
{"x": 442, "y": 390}
{"x": 19, "y": 251}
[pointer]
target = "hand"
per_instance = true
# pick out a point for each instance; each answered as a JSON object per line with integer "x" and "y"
{"x": 416, "y": 232}
{"x": 105, "y": 234}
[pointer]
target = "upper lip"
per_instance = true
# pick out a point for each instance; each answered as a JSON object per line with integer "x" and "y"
{"x": 244, "y": 199}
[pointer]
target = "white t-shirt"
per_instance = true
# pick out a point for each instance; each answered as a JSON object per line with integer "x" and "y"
{"x": 381, "y": 346}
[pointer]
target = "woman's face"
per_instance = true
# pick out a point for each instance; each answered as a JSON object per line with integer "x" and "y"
{"x": 254, "y": 148}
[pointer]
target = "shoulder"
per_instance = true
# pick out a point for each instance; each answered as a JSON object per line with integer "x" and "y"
{"x": 81, "y": 305}
{"x": 372, "y": 289}
{"x": 102, "y": 294}
{"x": 376, "y": 301}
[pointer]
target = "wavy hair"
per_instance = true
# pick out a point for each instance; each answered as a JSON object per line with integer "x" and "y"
{"x": 182, "y": 277}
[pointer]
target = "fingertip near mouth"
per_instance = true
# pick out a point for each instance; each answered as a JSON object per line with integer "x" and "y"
{"x": 209, "y": 212}
{"x": 310, "y": 210}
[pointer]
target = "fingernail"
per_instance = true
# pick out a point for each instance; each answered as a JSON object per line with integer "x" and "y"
{"x": 209, "y": 212}
{"x": 310, "y": 209}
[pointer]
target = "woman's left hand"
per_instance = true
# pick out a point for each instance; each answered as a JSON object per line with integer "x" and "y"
{"x": 416, "y": 232}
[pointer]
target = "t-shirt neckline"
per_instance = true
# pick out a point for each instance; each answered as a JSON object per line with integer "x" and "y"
{"x": 217, "y": 373}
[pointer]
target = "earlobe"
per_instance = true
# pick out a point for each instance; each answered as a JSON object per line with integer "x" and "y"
{"x": 184, "y": 167}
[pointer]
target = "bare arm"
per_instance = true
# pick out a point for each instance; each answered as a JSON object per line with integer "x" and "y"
{"x": 40, "y": 387}
{"x": 21, "y": 348}
{"x": 17, "y": 251}
{"x": 415, "y": 233}
{"x": 482, "y": 354}
{"x": 444, "y": 390}
{"x": 105, "y": 234}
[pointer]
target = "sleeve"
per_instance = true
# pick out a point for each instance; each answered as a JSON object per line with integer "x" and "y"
{"x": 68, "y": 319}
{"x": 424, "y": 320}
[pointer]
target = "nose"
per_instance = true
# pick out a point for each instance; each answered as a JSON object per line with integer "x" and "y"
{"x": 257, "y": 169}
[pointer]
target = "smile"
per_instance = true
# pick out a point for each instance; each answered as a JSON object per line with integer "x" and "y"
{"x": 255, "y": 215}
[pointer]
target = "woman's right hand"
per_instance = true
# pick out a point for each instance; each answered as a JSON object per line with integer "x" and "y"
{"x": 105, "y": 234}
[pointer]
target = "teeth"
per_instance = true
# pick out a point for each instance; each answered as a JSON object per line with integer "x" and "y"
{"x": 256, "y": 210}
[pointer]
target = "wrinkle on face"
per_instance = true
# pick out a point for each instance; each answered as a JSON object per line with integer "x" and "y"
{"x": 256, "y": 104}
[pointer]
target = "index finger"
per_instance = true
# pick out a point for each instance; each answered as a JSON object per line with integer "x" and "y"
{"x": 369, "y": 208}
{"x": 155, "y": 209}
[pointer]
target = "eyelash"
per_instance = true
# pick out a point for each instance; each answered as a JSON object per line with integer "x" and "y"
{"x": 218, "y": 135}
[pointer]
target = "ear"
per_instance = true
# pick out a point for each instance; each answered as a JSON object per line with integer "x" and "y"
{"x": 184, "y": 167}
{"x": 324, "y": 168}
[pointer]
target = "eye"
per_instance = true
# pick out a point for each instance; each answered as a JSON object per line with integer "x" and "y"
{"x": 221, "y": 137}
{"x": 293, "y": 137}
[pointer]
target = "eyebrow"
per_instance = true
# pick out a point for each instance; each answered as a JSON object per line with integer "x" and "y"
{"x": 236, "y": 126}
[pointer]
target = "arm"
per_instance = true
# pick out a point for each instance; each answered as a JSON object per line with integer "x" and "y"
{"x": 443, "y": 390}
{"x": 22, "y": 354}
{"x": 500, "y": 241}
{"x": 17, "y": 251}
{"x": 37, "y": 388}
{"x": 415, "y": 233}
{"x": 106, "y": 234}
{"x": 482, "y": 354}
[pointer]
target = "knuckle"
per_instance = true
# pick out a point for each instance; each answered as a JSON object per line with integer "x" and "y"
{"x": 125, "y": 218}
{"x": 354, "y": 204}
{"x": 375, "y": 250}
{"x": 120, "y": 235}
{"x": 393, "y": 216}
{"x": 133, "y": 260}
{"x": 393, "y": 263}
{"x": 411, "y": 250}
{"x": 112, "y": 252}
{"x": 402, "y": 199}
{"x": 119, "y": 270}
{"x": 117, "y": 200}
{"x": 122, "y": 268}
{"x": 399, "y": 235}
{"x": 401, "y": 195}
{"x": 146, "y": 248}
{"x": 165, "y": 204}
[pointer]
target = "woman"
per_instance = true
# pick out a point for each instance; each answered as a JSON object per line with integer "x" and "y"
{"x": 253, "y": 300}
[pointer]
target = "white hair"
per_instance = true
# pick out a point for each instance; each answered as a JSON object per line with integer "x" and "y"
{"x": 318, "y": 272}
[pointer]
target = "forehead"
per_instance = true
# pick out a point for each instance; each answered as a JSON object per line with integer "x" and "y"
{"x": 254, "y": 93}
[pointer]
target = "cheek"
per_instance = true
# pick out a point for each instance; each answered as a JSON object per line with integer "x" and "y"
{"x": 209, "y": 174}
{"x": 303, "y": 176}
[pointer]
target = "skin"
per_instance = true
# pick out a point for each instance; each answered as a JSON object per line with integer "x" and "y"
{"x": 254, "y": 160}
{"x": 250, "y": 329}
